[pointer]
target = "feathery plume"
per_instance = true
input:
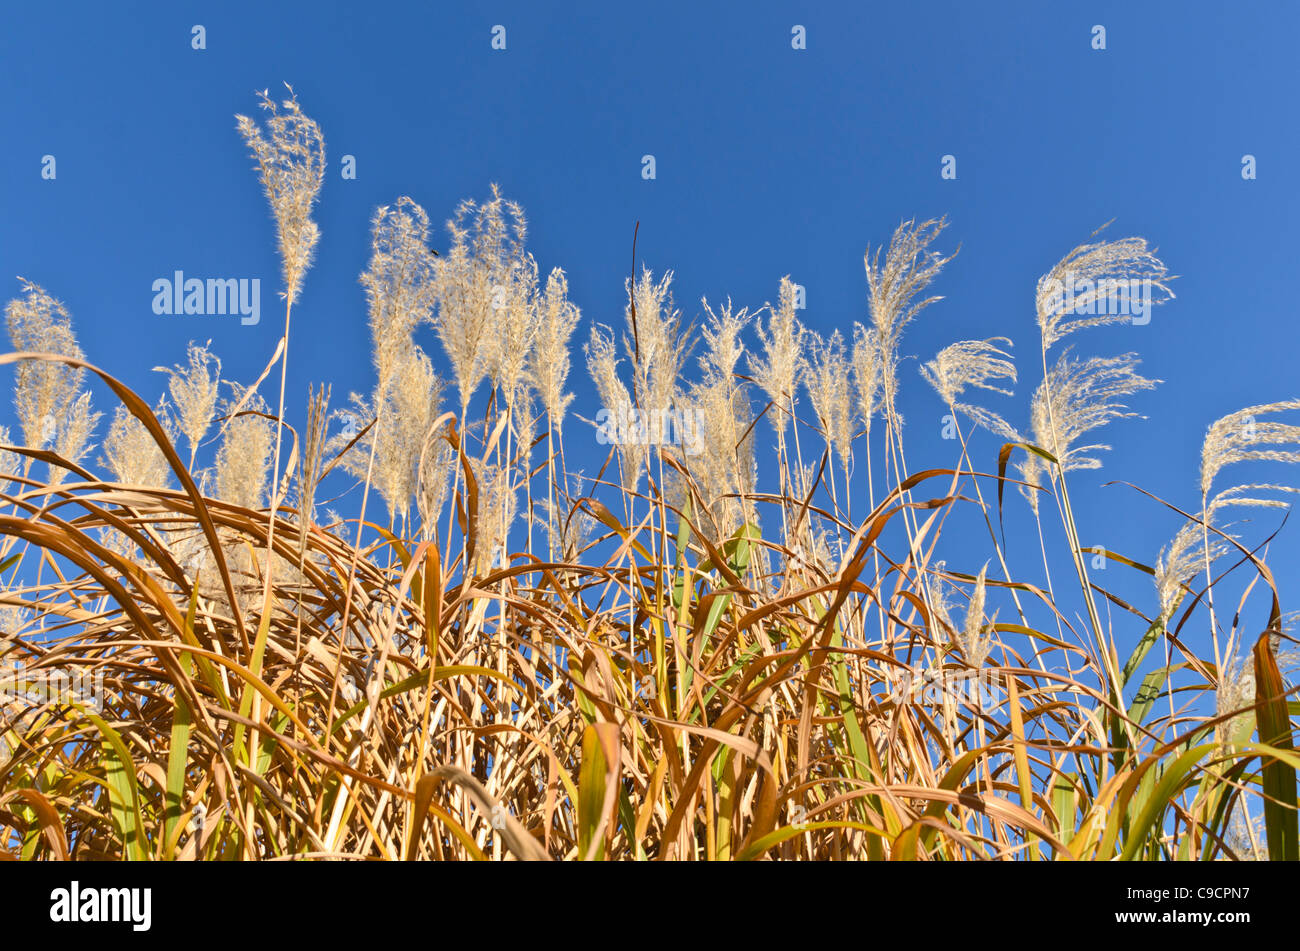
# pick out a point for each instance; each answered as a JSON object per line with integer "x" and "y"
{"x": 291, "y": 164}
{"x": 11, "y": 463}
{"x": 401, "y": 286}
{"x": 498, "y": 504}
{"x": 1234, "y": 694}
{"x": 486, "y": 242}
{"x": 829, "y": 387}
{"x": 523, "y": 423}
{"x": 1093, "y": 277}
{"x": 657, "y": 343}
{"x": 134, "y": 459}
{"x": 973, "y": 363}
{"x": 13, "y": 620}
{"x": 1181, "y": 559}
{"x": 514, "y": 326}
{"x": 558, "y": 317}
{"x": 74, "y": 432}
{"x": 1247, "y": 836}
{"x": 311, "y": 462}
{"x": 243, "y": 464}
{"x": 194, "y": 390}
{"x": 1030, "y": 471}
{"x": 1241, "y": 437}
{"x": 940, "y": 604}
{"x": 724, "y": 465}
{"x": 782, "y": 342}
{"x": 866, "y": 375}
{"x": 602, "y": 364}
{"x": 45, "y": 392}
{"x": 969, "y": 363}
{"x": 892, "y": 289}
{"x": 974, "y": 637}
{"x": 409, "y": 407}
{"x": 1079, "y": 396}
{"x": 512, "y": 352}
{"x": 130, "y": 452}
{"x": 725, "y": 348}
{"x": 437, "y": 460}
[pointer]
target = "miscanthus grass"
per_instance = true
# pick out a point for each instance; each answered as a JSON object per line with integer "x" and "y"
{"x": 775, "y": 371}
{"x": 895, "y": 296}
{"x": 195, "y": 389}
{"x": 557, "y": 320}
{"x": 52, "y": 407}
{"x": 743, "y": 641}
{"x": 289, "y": 150}
{"x": 130, "y": 453}
{"x": 723, "y": 464}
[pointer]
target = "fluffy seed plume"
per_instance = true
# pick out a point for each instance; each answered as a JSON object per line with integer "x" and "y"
{"x": 1030, "y": 471}
{"x": 1085, "y": 288}
{"x": 557, "y": 319}
{"x": 866, "y": 375}
{"x": 969, "y": 363}
{"x": 723, "y": 465}
{"x": 243, "y": 464}
{"x": 975, "y": 637}
{"x": 782, "y": 343}
{"x": 515, "y": 331}
{"x": 290, "y": 158}
{"x": 406, "y": 411}
{"x": 45, "y": 392}
{"x": 437, "y": 461}
{"x": 130, "y": 452}
{"x": 893, "y": 287}
{"x": 602, "y": 364}
{"x": 312, "y": 461}
{"x": 1234, "y": 693}
{"x": 829, "y": 387}
{"x": 74, "y": 432}
{"x": 11, "y": 463}
{"x": 487, "y": 242}
{"x": 1078, "y": 396}
{"x": 498, "y": 505}
{"x": 401, "y": 286}
{"x": 1180, "y": 560}
{"x": 194, "y": 390}
{"x": 1242, "y": 437}
{"x": 657, "y": 342}
{"x": 722, "y": 336}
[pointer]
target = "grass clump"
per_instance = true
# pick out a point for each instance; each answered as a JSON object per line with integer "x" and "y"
{"x": 713, "y": 648}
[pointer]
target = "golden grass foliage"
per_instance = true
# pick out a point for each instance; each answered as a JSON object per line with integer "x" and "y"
{"x": 737, "y": 653}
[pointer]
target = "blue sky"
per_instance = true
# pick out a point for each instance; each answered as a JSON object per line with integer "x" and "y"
{"x": 770, "y": 161}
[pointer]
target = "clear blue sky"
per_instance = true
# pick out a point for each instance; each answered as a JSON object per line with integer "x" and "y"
{"x": 769, "y": 161}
